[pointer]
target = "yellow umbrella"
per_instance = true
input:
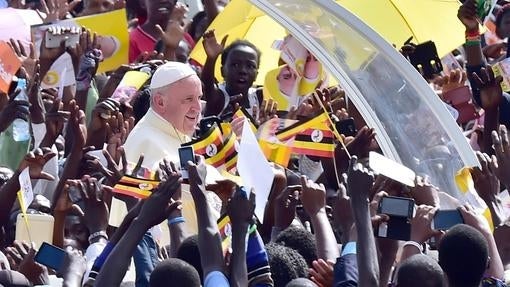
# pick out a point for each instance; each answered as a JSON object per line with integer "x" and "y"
{"x": 241, "y": 20}
{"x": 397, "y": 20}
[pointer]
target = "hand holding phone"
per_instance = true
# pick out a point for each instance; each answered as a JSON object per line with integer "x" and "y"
{"x": 186, "y": 154}
{"x": 399, "y": 210}
{"x": 446, "y": 219}
{"x": 50, "y": 256}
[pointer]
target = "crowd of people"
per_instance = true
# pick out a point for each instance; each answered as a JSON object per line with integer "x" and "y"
{"x": 92, "y": 149}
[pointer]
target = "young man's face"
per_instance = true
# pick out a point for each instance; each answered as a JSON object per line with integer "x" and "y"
{"x": 240, "y": 69}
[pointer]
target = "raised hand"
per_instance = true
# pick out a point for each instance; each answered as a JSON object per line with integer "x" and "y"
{"x": 456, "y": 79}
{"x": 265, "y": 112}
{"x": 285, "y": 206}
{"x": 486, "y": 182}
{"x": 501, "y": 160}
{"x": 55, "y": 10}
{"x": 48, "y": 56}
{"x": 35, "y": 161}
{"x": 55, "y": 119}
{"x": 362, "y": 142}
{"x": 359, "y": 181}
{"x": 77, "y": 126}
{"x": 197, "y": 173}
{"x": 64, "y": 203}
{"x": 342, "y": 213}
{"x": 474, "y": 219}
{"x": 160, "y": 203}
{"x": 172, "y": 35}
{"x": 73, "y": 267}
{"x": 487, "y": 186}
{"x": 95, "y": 208}
{"x": 240, "y": 208}
{"x": 28, "y": 60}
{"x": 490, "y": 88}
{"x": 467, "y": 15}
{"x": 424, "y": 192}
{"x": 211, "y": 46}
{"x": 421, "y": 224}
{"x": 313, "y": 196}
{"x": 14, "y": 109}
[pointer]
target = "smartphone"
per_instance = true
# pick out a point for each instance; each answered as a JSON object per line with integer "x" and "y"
{"x": 40, "y": 228}
{"x": 426, "y": 60}
{"x": 400, "y": 210}
{"x": 71, "y": 35}
{"x": 186, "y": 154}
{"x": 446, "y": 219}
{"x": 50, "y": 256}
{"x": 346, "y": 127}
{"x": 397, "y": 206}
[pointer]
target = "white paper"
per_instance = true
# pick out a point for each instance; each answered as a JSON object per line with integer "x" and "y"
{"x": 254, "y": 169}
{"x": 391, "y": 169}
{"x": 26, "y": 188}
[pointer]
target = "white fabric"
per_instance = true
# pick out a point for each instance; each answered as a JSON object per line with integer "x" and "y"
{"x": 45, "y": 187}
{"x": 169, "y": 73}
{"x": 93, "y": 251}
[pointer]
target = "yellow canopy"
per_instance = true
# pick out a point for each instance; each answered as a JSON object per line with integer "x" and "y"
{"x": 397, "y": 20}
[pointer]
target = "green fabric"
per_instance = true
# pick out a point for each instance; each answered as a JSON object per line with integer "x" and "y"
{"x": 11, "y": 151}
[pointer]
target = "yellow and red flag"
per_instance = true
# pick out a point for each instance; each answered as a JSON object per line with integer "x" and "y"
{"x": 312, "y": 137}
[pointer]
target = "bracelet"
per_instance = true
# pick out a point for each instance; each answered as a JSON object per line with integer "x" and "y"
{"x": 415, "y": 244}
{"x": 176, "y": 220}
{"x": 472, "y": 33}
{"x": 98, "y": 234}
{"x": 472, "y": 43}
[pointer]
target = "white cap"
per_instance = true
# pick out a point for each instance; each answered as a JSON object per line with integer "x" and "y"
{"x": 170, "y": 73}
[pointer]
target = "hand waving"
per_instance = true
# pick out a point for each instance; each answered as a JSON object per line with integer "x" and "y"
{"x": 501, "y": 159}
{"x": 211, "y": 46}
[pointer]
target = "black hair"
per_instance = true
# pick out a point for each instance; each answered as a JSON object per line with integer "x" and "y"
{"x": 141, "y": 103}
{"x": 463, "y": 255}
{"x": 174, "y": 270}
{"x": 238, "y": 43}
{"x": 499, "y": 18}
{"x": 199, "y": 17}
{"x": 420, "y": 271}
{"x": 189, "y": 252}
{"x": 300, "y": 240}
{"x": 301, "y": 282}
{"x": 286, "y": 264}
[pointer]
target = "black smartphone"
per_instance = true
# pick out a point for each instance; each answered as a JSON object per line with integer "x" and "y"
{"x": 446, "y": 219}
{"x": 400, "y": 210}
{"x": 186, "y": 154}
{"x": 346, "y": 127}
{"x": 397, "y": 206}
{"x": 426, "y": 60}
{"x": 50, "y": 256}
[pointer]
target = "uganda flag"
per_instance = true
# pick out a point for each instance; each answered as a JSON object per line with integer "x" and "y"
{"x": 229, "y": 152}
{"x": 277, "y": 152}
{"x": 311, "y": 137}
{"x": 209, "y": 146}
{"x": 135, "y": 187}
